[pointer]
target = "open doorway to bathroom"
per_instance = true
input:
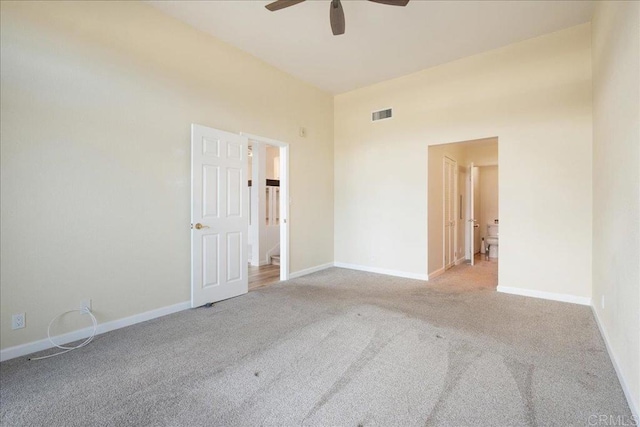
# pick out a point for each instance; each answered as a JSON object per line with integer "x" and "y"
{"x": 463, "y": 221}
{"x": 267, "y": 236}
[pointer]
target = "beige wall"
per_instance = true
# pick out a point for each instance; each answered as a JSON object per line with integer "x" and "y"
{"x": 272, "y": 153}
{"x": 97, "y": 101}
{"x": 536, "y": 97}
{"x": 482, "y": 153}
{"x": 616, "y": 184}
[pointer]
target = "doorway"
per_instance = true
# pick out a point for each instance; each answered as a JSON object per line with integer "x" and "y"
{"x": 462, "y": 202}
{"x": 268, "y": 242}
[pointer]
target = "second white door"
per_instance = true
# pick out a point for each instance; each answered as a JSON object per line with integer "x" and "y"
{"x": 472, "y": 222}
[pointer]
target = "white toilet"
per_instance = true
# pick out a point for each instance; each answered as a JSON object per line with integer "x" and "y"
{"x": 492, "y": 240}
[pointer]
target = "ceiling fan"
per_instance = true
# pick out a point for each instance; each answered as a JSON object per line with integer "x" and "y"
{"x": 336, "y": 14}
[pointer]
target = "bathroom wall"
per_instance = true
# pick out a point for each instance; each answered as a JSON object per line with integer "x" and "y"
{"x": 488, "y": 197}
{"x": 272, "y": 154}
{"x": 482, "y": 153}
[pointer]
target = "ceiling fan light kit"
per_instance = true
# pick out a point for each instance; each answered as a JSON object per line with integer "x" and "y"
{"x": 336, "y": 13}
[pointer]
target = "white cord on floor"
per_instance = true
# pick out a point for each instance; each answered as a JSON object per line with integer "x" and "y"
{"x": 68, "y": 349}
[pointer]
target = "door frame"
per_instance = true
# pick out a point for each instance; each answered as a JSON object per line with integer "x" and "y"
{"x": 284, "y": 200}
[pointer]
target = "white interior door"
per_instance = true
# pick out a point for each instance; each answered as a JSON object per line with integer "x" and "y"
{"x": 450, "y": 176}
{"x": 472, "y": 222}
{"x": 461, "y": 206}
{"x": 219, "y": 215}
{"x": 477, "y": 209}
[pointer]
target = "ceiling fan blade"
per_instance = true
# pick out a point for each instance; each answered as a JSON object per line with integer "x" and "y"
{"x": 336, "y": 16}
{"x": 392, "y": 2}
{"x": 281, "y": 4}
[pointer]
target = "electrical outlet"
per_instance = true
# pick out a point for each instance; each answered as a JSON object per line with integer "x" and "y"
{"x": 602, "y": 302}
{"x": 18, "y": 321}
{"x": 85, "y": 305}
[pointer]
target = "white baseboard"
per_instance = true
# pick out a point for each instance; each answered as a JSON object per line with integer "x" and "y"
{"x": 260, "y": 264}
{"x": 382, "y": 271}
{"x": 436, "y": 273}
{"x": 460, "y": 260}
{"x": 306, "y": 271}
{"x": 32, "y": 347}
{"x": 545, "y": 295}
{"x": 625, "y": 387}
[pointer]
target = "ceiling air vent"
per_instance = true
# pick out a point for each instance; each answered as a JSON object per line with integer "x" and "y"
{"x": 381, "y": 115}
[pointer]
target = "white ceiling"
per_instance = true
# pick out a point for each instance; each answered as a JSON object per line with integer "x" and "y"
{"x": 381, "y": 42}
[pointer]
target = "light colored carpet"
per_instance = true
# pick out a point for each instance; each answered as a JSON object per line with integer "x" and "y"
{"x": 465, "y": 277}
{"x": 338, "y": 347}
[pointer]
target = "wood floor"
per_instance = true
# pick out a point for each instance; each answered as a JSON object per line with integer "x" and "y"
{"x": 263, "y": 276}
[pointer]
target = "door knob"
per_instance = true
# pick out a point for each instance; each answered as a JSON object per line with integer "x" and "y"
{"x": 476, "y": 225}
{"x": 199, "y": 226}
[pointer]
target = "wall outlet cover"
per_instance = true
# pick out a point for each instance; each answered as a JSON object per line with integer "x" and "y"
{"x": 18, "y": 321}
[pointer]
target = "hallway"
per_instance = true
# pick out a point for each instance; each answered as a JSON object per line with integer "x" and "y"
{"x": 263, "y": 276}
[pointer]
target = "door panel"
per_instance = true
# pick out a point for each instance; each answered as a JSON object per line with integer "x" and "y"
{"x": 476, "y": 209}
{"x": 234, "y": 256}
{"x": 234, "y": 192}
{"x": 450, "y": 176}
{"x": 209, "y": 191}
{"x": 447, "y": 228}
{"x": 210, "y": 254}
{"x": 472, "y": 222}
{"x": 218, "y": 215}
